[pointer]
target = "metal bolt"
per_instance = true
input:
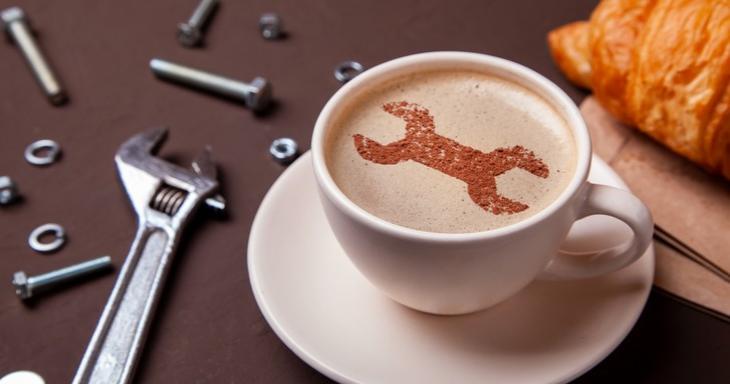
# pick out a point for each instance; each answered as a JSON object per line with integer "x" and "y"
{"x": 271, "y": 26}
{"x": 190, "y": 34}
{"x": 27, "y": 286}
{"x": 8, "y": 190}
{"x": 256, "y": 94}
{"x": 16, "y": 25}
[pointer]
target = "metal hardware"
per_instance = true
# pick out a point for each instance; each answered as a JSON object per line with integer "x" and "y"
{"x": 284, "y": 150}
{"x": 27, "y": 286}
{"x": 16, "y": 25}
{"x": 168, "y": 200}
{"x": 8, "y": 191}
{"x": 256, "y": 94}
{"x": 216, "y": 205}
{"x": 59, "y": 238}
{"x": 271, "y": 26}
{"x": 190, "y": 34}
{"x": 52, "y": 151}
{"x": 22, "y": 377}
{"x": 164, "y": 196}
{"x": 348, "y": 70}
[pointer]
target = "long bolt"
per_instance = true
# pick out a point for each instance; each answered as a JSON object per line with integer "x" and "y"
{"x": 256, "y": 94}
{"x": 190, "y": 34}
{"x": 15, "y": 24}
{"x": 26, "y": 286}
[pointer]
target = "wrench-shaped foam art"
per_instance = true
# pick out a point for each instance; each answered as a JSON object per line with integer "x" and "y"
{"x": 477, "y": 169}
{"x": 164, "y": 196}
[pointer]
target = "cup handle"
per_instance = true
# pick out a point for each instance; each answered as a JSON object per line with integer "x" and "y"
{"x": 618, "y": 203}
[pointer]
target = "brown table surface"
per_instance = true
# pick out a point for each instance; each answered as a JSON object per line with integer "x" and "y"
{"x": 207, "y": 327}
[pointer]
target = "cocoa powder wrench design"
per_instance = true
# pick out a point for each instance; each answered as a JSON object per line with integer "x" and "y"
{"x": 477, "y": 169}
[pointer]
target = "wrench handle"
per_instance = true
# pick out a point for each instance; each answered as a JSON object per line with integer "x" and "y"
{"x": 117, "y": 342}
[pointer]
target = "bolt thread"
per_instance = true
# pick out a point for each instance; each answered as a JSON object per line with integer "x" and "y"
{"x": 202, "y": 13}
{"x": 68, "y": 273}
{"x": 200, "y": 79}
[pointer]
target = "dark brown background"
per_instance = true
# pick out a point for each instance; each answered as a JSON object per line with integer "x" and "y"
{"x": 208, "y": 328}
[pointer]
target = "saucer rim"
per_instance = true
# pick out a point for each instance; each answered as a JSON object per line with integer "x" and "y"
{"x": 329, "y": 371}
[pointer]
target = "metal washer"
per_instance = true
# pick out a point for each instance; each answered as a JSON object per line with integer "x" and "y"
{"x": 34, "y": 240}
{"x": 53, "y": 150}
{"x": 347, "y": 70}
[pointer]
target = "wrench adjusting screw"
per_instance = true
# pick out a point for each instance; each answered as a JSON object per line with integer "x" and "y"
{"x": 284, "y": 150}
{"x": 8, "y": 191}
{"x": 255, "y": 95}
{"x": 271, "y": 26}
{"x": 190, "y": 34}
{"x": 26, "y": 286}
{"x": 16, "y": 25}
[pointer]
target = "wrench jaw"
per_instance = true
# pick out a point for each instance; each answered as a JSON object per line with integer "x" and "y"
{"x": 145, "y": 177}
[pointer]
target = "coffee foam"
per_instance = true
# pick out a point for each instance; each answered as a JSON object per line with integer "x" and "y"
{"x": 477, "y": 110}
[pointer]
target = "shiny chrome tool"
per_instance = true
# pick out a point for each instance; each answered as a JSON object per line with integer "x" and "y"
{"x": 164, "y": 196}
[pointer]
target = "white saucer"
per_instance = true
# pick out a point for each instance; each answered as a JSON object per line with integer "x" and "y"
{"x": 332, "y": 318}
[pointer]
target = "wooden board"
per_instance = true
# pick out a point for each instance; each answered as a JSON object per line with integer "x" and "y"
{"x": 686, "y": 201}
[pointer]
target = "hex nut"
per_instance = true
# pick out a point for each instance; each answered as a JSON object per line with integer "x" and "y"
{"x": 271, "y": 26}
{"x": 284, "y": 150}
{"x": 260, "y": 97}
{"x": 11, "y": 15}
{"x": 188, "y": 35}
{"x": 8, "y": 191}
{"x": 20, "y": 282}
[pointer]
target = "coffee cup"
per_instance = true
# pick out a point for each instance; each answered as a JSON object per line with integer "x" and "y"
{"x": 458, "y": 273}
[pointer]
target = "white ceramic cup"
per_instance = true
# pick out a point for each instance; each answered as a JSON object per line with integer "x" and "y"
{"x": 445, "y": 273}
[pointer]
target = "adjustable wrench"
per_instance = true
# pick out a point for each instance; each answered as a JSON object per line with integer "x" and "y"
{"x": 164, "y": 196}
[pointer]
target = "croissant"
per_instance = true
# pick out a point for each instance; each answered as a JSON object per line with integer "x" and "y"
{"x": 662, "y": 66}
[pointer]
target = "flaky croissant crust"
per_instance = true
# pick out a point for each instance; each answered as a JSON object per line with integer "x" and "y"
{"x": 662, "y": 66}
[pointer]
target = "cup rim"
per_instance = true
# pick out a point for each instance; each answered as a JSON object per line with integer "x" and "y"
{"x": 496, "y": 66}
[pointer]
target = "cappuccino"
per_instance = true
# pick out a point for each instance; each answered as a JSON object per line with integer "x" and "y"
{"x": 451, "y": 151}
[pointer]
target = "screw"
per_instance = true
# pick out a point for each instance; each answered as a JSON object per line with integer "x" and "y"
{"x": 8, "y": 190}
{"x": 26, "y": 286}
{"x": 190, "y": 34}
{"x": 271, "y": 26}
{"x": 256, "y": 94}
{"x": 16, "y": 24}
